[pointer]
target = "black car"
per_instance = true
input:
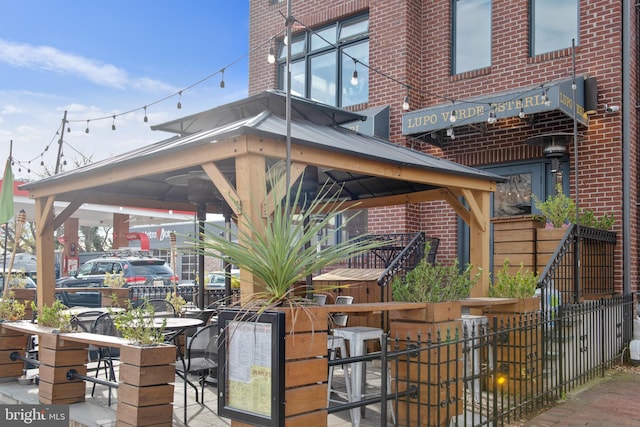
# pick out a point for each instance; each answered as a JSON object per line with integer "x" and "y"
{"x": 131, "y": 270}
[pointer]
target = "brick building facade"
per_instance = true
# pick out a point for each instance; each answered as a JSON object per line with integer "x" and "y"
{"x": 472, "y": 56}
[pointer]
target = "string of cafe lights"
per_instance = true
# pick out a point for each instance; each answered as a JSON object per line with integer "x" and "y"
{"x": 57, "y": 136}
{"x": 543, "y": 89}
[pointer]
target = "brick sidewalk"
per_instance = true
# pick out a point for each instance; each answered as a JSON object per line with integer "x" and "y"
{"x": 610, "y": 401}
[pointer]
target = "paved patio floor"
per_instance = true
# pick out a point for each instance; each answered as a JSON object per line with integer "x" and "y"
{"x": 95, "y": 411}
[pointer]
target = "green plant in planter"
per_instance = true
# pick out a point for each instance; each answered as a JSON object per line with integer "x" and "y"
{"x": 54, "y": 316}
{"x": 137, "y": 325}
{"x": 11, "y": 309}
{"x": 522, "y": 284}
{"x": 559, "y": 209}
{"x": 176, "y": 300}
{"x": 435, "y": 283}
{"x": 283, "y": 250}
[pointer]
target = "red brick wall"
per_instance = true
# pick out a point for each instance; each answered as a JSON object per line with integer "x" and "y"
{"x": 410, "y": 43}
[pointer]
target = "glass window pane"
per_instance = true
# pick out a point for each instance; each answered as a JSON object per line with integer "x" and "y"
{"x": 513, "y": 197}
{"x": 354, "y": 28}
{"x": 358, "y": 94}
{"x": 472, "y": 35}
{"x": 555, "y": 24}
{"x": 298, "y": 78}
{"x": 318, "y": 39}
{"x": 297, "y": 48}
{"x": 323, "y": 78}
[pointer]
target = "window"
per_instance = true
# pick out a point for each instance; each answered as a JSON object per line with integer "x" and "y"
{"x": 554, "y": 23}
{"x": 472, "y": 35}
{"x": 323, "y": 62}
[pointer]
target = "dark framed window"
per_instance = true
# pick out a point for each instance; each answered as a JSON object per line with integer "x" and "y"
{"x": 471, "y": 35}
{"x": 554, "y": 23}
{"x": 323, "y": 63}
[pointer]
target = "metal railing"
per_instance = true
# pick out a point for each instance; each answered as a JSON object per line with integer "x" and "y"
{"x": 496, "y": 369}
{"x": 571, "y": 278}
{"x": 212, "y": 297}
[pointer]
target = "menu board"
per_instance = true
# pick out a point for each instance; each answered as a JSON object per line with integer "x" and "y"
{"x": 251, "y": 367}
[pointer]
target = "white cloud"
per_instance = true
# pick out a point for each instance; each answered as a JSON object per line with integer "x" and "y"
{"x": 50, "y": 58}
{"x": 10, "y": 109}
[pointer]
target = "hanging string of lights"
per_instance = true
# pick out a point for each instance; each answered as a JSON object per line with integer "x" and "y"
{"x": 26, "y": 164}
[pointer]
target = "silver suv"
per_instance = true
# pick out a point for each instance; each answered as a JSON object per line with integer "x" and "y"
{"x": 137, "y": 269}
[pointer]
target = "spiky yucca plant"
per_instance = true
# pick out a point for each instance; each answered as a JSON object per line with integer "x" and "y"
{"x": 282, "y": 250}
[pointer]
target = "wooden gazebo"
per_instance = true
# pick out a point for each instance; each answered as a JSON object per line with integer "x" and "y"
{"x": 232, "y": 146}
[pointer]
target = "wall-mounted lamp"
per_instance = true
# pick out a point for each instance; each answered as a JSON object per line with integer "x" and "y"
{"x": 590, "y": 95}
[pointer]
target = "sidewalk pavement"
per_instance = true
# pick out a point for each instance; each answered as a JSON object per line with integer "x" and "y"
{"x": 609, "y": 401}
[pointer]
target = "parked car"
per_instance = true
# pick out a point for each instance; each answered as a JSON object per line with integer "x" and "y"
{"x": 215, "y": 280}
{"x": 137, "y": 270}
{"x": 18, "y": 280}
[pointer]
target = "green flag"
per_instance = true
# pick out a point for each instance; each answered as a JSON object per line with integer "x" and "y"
{"x": 6, "y": 196}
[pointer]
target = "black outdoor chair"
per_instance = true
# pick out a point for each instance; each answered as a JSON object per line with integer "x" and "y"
{"x": 161, "y": 307}
{"x": 201, "y": 359}
{"x": 107, "y": 356}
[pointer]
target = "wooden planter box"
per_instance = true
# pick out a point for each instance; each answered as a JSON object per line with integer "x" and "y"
{"x": 145, "y": 395}
{"x": 430, "y": 313}
{"x": 439, "y": 374}
{"x": 11, "y": 341}
{"x": 521, "y": 306}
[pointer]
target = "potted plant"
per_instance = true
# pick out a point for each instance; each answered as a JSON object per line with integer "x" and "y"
{"x": 138, "y": 326}
{"x": 177, "y": 301}
{"x": 441, "y": 286}
{"x": 11, "y": 309}
{"x": 521, "y": 285}
{"x": 115, "y": 280}
{"x": 54, "y": 316}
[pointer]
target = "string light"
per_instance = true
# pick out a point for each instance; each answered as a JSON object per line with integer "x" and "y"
{"x": 271, "y": 57}
{"x": 179, "y": 105}
{"x": 354, "y": 76}
{"x": 521, "y": 114}
{"x": 146, "y": 119}
{"x": 492, "y": 116}
{"x": 545, "y": 98}
{"x": 222, "y": 79}
{"x": 87, "y": 129}
{"x": 450, "y": 133}
{"x": 452, "y": 116}
{"x": 405, "y": 103}
{"x": 113, "y": 125}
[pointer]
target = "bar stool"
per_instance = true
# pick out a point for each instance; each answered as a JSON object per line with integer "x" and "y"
{"x": 357, "y": 337}
{"x": 335, "y": 344}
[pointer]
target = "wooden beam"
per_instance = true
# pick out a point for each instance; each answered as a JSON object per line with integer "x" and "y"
{"x": 173, "y": 161}
{"x": 474, "y": 208}
{"x": 66, "y": 213}
{"x": 357, "y": 164}
{"x": 44, "y": 215}
{"x": 45, "y": 247}
{"x": 479, "y": 244}
{"x": 223, "y": 185}
{"x": 457, "y": 206}
{"x": 280, "y": 187}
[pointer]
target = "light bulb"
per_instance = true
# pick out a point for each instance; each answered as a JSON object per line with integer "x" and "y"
{"x": 179, "y": 106}
{"x": 521, "y": 114}
{"x": 113, "y": 125}
{"x": 271, "y": 57}
{"x": 354, "y": 78}
{"x": 87, "y": 129}
{"x": 405, "y": 104}
{"x": 286, "y": 40}
{"x": 545, "y": 98}
{"x": 492, "y": 117}
{"x": 452, "y": 116}
{"x": 146, "y": 119}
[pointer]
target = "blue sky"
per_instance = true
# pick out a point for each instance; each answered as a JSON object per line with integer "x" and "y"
{"x": 97, "y": 59}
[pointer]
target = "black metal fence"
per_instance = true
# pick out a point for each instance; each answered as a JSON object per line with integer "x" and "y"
{"x": 212, "y": 297}
{"x": 593, "y": 275}
{"x": 499, "y": 368}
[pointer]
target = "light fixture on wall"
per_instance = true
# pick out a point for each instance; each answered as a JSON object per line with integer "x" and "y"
{"x": 611, "y": 108}
{"x": 590, "y": 95}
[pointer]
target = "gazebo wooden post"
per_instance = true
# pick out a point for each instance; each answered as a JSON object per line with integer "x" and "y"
{"x": 45, "y": 249}
{"x": 479, "y": 241}
{"x": 250, "y": 187}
